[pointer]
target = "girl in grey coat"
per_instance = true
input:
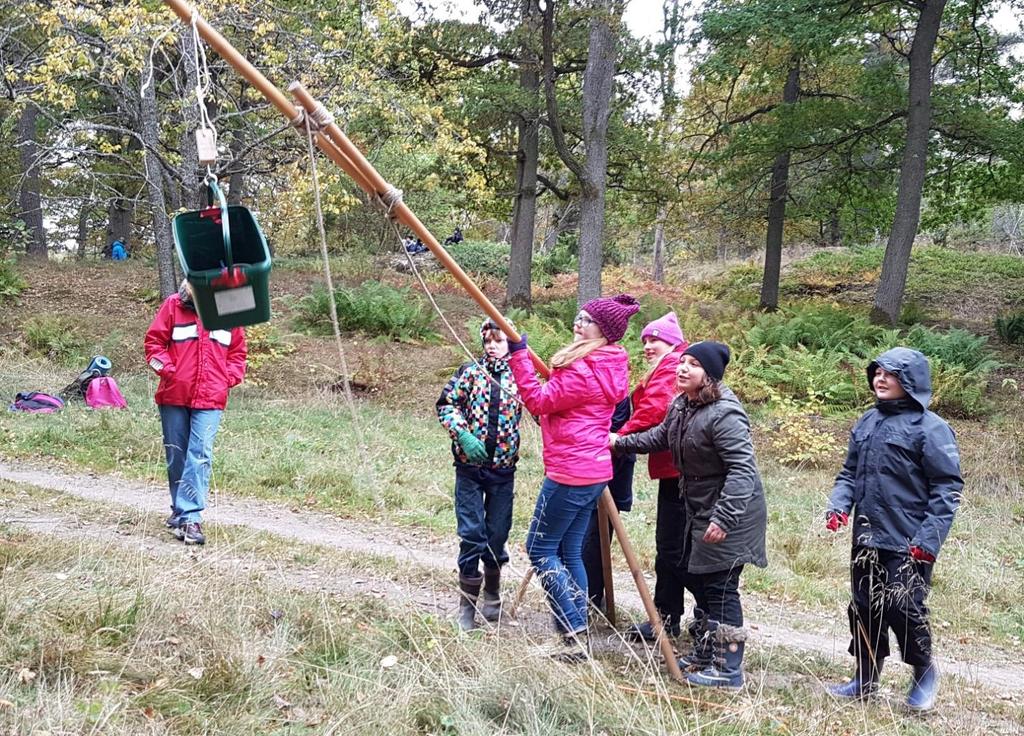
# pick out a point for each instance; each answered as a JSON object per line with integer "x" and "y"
{"x": 708, "y": 433}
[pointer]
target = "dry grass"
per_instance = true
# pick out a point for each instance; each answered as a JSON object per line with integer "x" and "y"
{"x": 118, "y": 639}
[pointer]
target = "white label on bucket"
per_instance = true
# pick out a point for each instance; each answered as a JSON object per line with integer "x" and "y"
{"x": 233, "y": 301}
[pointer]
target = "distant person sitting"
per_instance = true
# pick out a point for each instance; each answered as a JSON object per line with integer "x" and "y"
{"x": 415, "y": 246}
{"x": 118, "y": 251}
{"x": 455, "y": 237}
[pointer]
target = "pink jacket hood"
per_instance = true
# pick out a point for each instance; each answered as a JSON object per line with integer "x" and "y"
{"x": 575, "y": 408}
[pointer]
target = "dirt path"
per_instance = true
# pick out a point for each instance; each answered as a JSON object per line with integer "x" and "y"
{"x": 423, "y": 551}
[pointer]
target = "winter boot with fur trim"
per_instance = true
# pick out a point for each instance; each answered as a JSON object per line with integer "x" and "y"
{"x": 491, "y": 609}
{"x": 469, "y": 591}
{"x": 726, "y": 669}
{"x": 700, "y": 654}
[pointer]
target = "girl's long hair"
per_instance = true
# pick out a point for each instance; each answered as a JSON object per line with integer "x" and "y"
{"x": 576, "y": 350}
{"x": 710, "y": 391}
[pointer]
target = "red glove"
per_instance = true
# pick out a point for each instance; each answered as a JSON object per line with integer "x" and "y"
{"x": 921, "y": 555}
{"x": 836, "y": 519}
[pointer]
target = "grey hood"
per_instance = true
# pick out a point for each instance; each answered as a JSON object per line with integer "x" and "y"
{"x": 910, "y": 368}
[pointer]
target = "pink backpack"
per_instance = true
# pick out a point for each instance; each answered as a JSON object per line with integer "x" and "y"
{"x": 103, "y": 393}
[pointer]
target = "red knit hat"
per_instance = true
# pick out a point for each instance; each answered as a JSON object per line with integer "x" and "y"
{"x": 611, "y": 314}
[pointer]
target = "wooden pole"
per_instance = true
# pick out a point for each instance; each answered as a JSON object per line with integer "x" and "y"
{"x": 401, "y": 212}
{"x": 342, "y": 151}
{"x": 606, "y": 564}
{"x": 641, "y": 585}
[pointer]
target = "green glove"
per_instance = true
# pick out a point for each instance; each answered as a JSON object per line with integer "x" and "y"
{"x": 475, "y": 450}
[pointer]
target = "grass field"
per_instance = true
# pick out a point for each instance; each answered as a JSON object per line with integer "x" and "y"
{"x": 110, "y": 638}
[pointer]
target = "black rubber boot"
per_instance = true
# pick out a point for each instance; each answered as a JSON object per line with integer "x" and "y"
{"x": 865, "y": 681}
{"x": 469, "y": 591}
{"x": 701, "y": 653}
{"x": 491, "y": 608}
{"x": 726, "y": 669}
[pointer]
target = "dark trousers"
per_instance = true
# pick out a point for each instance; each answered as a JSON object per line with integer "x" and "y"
{"x": 889, "y": 591}
{"x": 718, "y": 594}
{"x": 671, "y": 553}
{"x": 483, "y": 515}
{"x": 621, "y": 487}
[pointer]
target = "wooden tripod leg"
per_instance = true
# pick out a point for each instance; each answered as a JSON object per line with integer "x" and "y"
{"x": 521, "y": 593}
{"x": 641, "y": 585}
{"x": 606, "y": 563}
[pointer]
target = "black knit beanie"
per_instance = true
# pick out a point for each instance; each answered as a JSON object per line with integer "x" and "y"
{"x": 713, "y": 357}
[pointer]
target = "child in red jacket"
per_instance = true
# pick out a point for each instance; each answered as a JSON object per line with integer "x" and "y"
{"x": 197, "y": 369}
{"x": 664, "y": 344}
{"x": 588, "y": 378}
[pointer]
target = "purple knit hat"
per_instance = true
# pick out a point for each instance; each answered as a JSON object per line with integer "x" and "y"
{"x": 666, "y": 329}
{"x": 611, "y": 314}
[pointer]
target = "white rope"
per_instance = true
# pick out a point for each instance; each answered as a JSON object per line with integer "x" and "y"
{"x": 321, "y": 115}
{"x": 440, "y": 313}
{"x": 148, "y": 80}
{"x": 335, "y": 327}
{"x": 203, "y": 80}
{"x": 386, "y": 202}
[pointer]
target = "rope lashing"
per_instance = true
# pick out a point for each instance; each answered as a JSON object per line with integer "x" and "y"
{"x": 390, "y": 199}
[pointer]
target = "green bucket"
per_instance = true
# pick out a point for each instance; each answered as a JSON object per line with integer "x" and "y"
{"x": 226, "y": 260}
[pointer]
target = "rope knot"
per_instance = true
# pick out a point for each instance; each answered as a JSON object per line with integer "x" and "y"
{"x": 387, "y": 201}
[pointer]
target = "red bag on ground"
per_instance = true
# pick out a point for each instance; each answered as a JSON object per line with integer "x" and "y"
{"x": 103, "y": 393}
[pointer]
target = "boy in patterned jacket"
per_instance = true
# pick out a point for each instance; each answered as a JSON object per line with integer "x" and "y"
{"x": 481, "y": 410}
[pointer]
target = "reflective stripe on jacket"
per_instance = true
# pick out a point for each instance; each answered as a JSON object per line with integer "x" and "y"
{"x": 196, "y": 368}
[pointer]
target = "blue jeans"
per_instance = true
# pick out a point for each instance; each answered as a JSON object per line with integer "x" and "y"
{"x": 188, "y": 443}
{"x": 555, "y": 546}
{"x": 483, "y": 516}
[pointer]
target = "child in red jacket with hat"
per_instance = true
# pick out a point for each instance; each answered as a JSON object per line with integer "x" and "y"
{"x": 664, "y": 344}
{"x": 588, "y": 378}
{"x": 197, "y": 369}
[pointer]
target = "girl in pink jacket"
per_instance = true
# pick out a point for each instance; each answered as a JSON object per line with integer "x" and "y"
{"x": 588, "y": 378}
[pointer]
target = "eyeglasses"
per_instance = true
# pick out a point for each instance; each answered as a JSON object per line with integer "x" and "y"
{"x": 582, "y": 320}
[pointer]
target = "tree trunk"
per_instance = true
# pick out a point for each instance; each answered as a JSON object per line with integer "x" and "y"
{"x": 83, "y": 229}
{"x": 598, "y": 87}
{"x": 893, "y": 280}
{"x": 520, "y": 267}
{"x": 835, "y": 233}
{"x": 30, "y": 209}
{"x": 236, "y": 180}
{"x": 150, "y": 126}
{"x": 562, "y": 221}
{"x": 658, "y": 270}
{"x": 120, "y": 220}
{"x": 777, "y": 203}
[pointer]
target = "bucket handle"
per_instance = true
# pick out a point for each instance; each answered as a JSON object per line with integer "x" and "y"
{"x": 211, "y": 182}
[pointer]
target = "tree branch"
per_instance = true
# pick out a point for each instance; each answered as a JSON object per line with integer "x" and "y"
{"x": 554, "y": 121}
